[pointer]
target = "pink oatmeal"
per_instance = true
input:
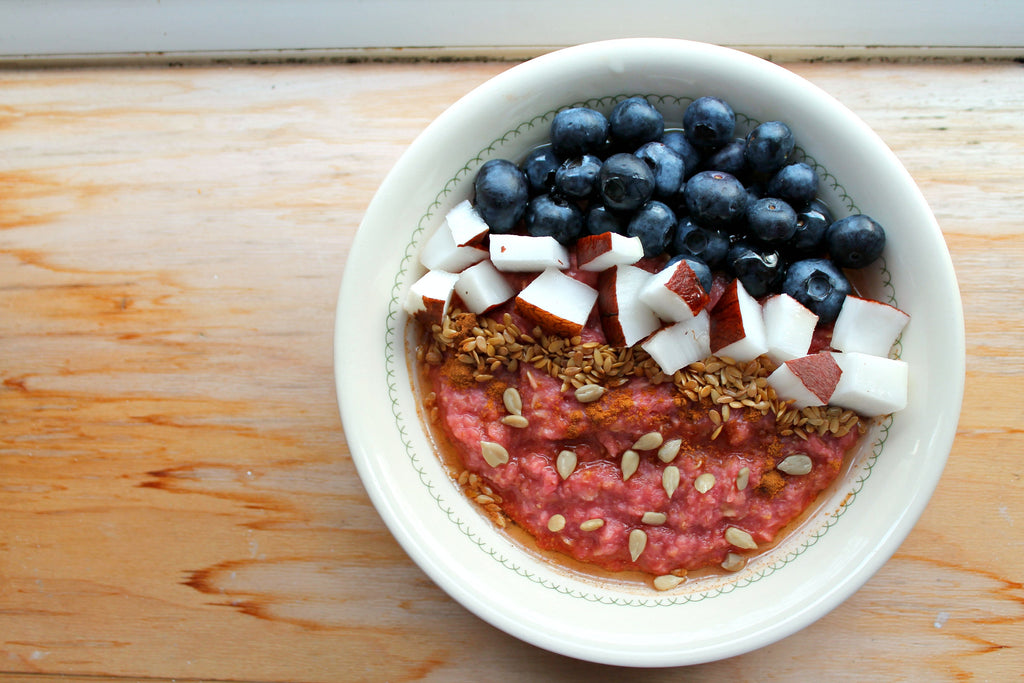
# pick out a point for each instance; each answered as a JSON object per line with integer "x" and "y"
{"x": 737, "y": 437}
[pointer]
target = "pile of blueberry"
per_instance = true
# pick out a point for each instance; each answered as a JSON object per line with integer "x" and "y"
{"x": 736, "y": 204}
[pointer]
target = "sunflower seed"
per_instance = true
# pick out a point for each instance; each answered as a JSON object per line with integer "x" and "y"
{"x": 592, "y": 524}
{"x": 637, "y": 543}
{"x": 494, "y": 453}
{"x": 556, "y": 523}
{"x": 565, "y": 464}
{"x": 654, "y": 518}
{"x": 589, "y": 393}
{"x": 667, "y": 582}
{"x": 704, "y": 482}
{"x": 740, "y": 538}
{"x": 648, "y": 441}
{"x": 734, "y": 562}
{"x": 517, "y": 421}
{"x": 630, "y": 461}
{"x": 670, "y": 480}
{"x": 796, "y": 464}
{"x": 513, "y": 401}
{"x": 669, "y": 450}
{"x": 742, "y": 479}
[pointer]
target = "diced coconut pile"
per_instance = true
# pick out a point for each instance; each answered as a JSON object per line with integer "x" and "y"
{"x": 857, "y": 375}
{"x": 666, "y": 312}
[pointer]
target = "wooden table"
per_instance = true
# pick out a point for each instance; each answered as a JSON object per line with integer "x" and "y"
{"x": 177, "y": 500}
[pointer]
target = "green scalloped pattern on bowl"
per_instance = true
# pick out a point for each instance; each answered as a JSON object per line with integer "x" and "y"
{"x": 394, "y": 340}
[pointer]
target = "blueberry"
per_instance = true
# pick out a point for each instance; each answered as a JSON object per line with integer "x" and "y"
{"x": 578, "y": 131}
{"x": 635, "y": 121}
{"x": 501, "y": 194}
{"x": 540, "y": 166}
{"x": 699, "y": 268}
{"x": 771, "y": 220}
{"x": 577, "y": 177}
{"x": 653, "y": 223}
{"x": 692, "y": 241}
{"x": 625, "y": 182}
{"x": 796, "y": 183}
{"x": 669, "y": 168}
{"x": 677, "y": 142}
{"x": 768, "y": 147}
{"x": 760, "y": 269}
{"x": 555, "y": 216}
{"x": 601, "y": 219}
{"x": 728, "y": 158}
{"x": 709, "y": 122}
{"x": 715, "y": 199}
{"x": 819, "y": 285}
{"x": 855, "y": 241}
{"x": 811, "y": 224}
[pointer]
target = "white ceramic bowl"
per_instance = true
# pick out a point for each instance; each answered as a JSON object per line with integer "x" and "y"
{"x": 857, "y": 524}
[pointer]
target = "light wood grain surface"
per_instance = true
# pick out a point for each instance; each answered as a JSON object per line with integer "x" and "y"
{"x": 177, "y": 500}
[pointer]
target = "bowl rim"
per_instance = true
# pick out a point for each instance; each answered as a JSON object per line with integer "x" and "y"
{"x": 353, "y": 289}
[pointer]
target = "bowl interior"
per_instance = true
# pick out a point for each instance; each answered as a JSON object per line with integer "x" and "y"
{"x": 855, "y": 526}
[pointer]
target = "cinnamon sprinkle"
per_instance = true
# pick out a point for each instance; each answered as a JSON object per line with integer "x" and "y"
{"x": 771, "y": 483}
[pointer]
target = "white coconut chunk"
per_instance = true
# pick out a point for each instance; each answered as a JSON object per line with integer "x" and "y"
{"x": 466, "y": 224}
{"x": 525, "y": 254}
{"x": 807, "y": 381}
{"x": 442, "y": 253}
{"x": 600, "y": 252}
{"x": 678, "y": 345}
{"x": 625, "y": 319}
{"x": 674, "y": 293}
{"x": 557, "y": 302}
{"x": 866, "y": 326}
{"x": 482, "y": 287}
{"x": 789, "y": 327}
{"x": 737, "y": 325}
{"x": 870, "y": 385}
{"x": 431, "y": 295}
